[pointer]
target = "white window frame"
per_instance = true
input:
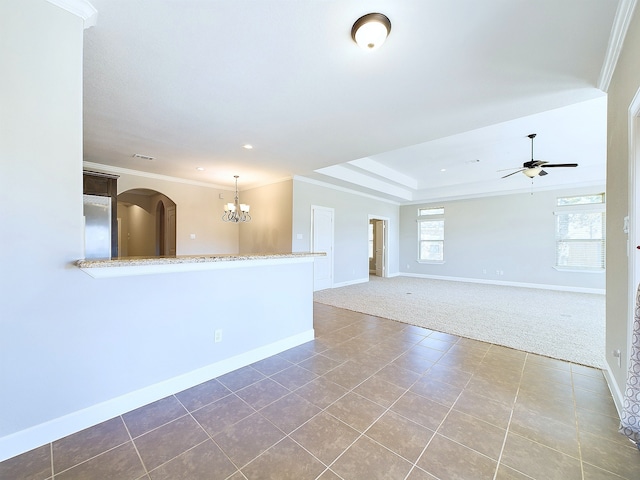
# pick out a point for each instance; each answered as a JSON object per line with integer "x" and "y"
{"x": 430, "y": 214}
{"x": 575, "y": 209}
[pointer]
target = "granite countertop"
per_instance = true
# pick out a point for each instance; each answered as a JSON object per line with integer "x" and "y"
{"x": 187, "y": 259}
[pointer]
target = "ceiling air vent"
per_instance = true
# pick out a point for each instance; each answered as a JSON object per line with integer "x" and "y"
{"x": 144, "y": 157}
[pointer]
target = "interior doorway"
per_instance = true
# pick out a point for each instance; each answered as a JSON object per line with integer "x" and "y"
{"x": 146, "y": 224}
{"x": 160, "y": 230}
{"x": 322, "y": 241}
{"x": 378, "y": 240}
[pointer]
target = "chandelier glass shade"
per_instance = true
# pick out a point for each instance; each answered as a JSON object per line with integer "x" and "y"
{"x": 236, "y": 212}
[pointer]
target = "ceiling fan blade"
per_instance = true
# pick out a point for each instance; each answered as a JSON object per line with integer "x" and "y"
{"x": 513, "y": 173}
{"x": 560, "y": 165}
{"x": 542, "y": 173}
{"x": 507, "y": 169}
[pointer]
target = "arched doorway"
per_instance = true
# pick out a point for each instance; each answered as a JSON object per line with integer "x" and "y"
{"x": 146, "y": 224}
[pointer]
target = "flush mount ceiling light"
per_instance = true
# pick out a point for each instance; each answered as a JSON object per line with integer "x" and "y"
{"x": 236, "y": 212}
{"x": 371, "y": 30}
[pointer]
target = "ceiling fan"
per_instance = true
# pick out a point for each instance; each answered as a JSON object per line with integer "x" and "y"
{"x": 533, "y": 168}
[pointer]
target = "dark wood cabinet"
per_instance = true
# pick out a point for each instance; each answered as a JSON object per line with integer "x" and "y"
{"x": 104, "y": 185}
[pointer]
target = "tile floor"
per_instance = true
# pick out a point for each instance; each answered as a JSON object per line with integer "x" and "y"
{"x": 369, "y": 398}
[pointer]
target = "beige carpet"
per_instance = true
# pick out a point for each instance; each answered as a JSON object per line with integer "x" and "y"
{"x": 565, "y": 325}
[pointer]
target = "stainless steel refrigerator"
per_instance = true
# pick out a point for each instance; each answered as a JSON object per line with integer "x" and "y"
{"x": 97, "y": 227}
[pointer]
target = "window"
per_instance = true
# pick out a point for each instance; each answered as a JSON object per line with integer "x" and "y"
{"x": 430, "y": 211}
{"x": 431, "y": 234}
{"x": 581, "y": 200}
{"x": 580, "y": 233}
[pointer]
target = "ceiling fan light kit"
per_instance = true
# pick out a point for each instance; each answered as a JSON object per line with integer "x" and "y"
{"x": 533, "y": 168}
{"x": 371, "y": 30}
{"x": 532, "y": 172}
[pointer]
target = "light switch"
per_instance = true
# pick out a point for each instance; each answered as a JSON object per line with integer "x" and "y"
{"x": 193, "y": 236}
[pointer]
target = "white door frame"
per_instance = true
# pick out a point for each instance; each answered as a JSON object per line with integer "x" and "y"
{"x": 385, "y": 243}
{"x": 633, "y": 238}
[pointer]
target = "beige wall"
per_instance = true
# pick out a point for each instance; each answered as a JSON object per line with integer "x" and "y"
{"x": 270, "y": 228}
{"x": 138, "y": 223}
{"x": 199, "y": 211}
{"x": 624, "y": 85}
{"x": 141, "y": 238}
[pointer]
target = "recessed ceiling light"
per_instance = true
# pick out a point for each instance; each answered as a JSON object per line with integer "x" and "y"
{"x": 247, "y": 146}
{"x": 443, "y": 169}
{"x": 200, "y": 169}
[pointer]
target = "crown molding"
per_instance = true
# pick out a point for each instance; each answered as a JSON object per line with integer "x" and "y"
{"x": 624, "y": 13}
{"x": 313, "y": 181}
{"x": 109, "y": 169}
{"x": 126, "y": 171}
{"x": 518, "y": 191}
{"x": 80, "y": 8}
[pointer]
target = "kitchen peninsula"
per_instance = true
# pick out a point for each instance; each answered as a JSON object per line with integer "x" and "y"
{"x": 127, "y": 266}
{"x": 168, "y": 324}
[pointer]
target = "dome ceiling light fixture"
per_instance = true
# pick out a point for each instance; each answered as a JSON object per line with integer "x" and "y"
{"x": 371, "y": 30}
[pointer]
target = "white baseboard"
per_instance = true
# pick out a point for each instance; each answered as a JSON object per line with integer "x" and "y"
{"x": 560, "y": 288}
{"x": 350, "y": 282}
{"x": 30, "y": 438}
{"x": 617, "y": 395}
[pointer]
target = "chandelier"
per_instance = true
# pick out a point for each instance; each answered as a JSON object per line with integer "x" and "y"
{"x": 236, "y": 211}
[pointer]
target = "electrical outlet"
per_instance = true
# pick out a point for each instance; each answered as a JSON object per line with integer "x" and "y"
{"x": 217, "y": 336}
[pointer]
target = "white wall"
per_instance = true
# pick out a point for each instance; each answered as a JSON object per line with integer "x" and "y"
{"x": 69, "y": 354}
{"x": 351, "y": 218}
{"x": 514, "y": 234}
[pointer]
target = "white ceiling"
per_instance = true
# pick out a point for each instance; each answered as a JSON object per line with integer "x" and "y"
{"x": 458, "y": 86}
